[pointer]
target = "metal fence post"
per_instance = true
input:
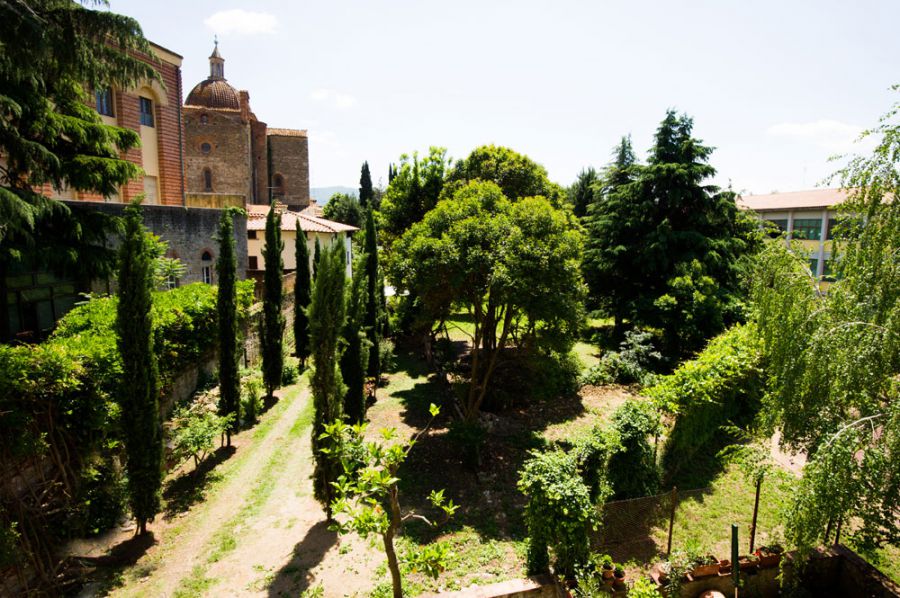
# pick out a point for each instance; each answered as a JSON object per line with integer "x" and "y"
{"x": 755, "y": 513}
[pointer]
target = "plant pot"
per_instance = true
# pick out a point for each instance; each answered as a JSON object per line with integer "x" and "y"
{"x": 724, "y": 567}
{"x": 748, "y": 564}
{"x": 619, "y": 582}
{"x": 768, "y": 559}
{"x": 706, "y": 570}
{"x": 606, "y": 573}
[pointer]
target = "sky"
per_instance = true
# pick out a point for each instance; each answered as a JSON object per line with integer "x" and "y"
{"x": 775, "y": 86}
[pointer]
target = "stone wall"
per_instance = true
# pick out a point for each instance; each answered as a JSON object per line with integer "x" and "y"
{"x": 229, "y": 155}
{"x": 290, "y": 159}
{"x": 189, "y": 231}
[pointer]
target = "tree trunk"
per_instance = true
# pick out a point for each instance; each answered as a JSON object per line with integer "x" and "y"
{"x": 393, "y": 565}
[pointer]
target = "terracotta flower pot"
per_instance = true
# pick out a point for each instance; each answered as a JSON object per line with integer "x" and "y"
{"x": 748, "y": 564}
{"x": 724, "y": 567}
{"x": 619, "y": 582}
{"x": 768, "y": 558}
{"x": 706, "y": 570}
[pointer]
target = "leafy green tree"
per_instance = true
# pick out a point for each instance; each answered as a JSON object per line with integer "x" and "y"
{"x": 355, "y": 357}
{"x": 581, "y": 193}
{"x": 516, "y": 174}
{"x": 367, "y": 492}
{"x": 632, "y": 469}
{"x": 513, "y": 266}
{"x": 302, "y": 289}
{"x": 229, "y": 330}
{"x": 649, "y": 229}
{"x": 834, "y": 358}
{"x": 413, "y": 191}
{"x": 366, "y": 191}
{"x": 55, "y": 52}
{"x": 327, "y": 312}
{"x": 374, "y": 301}
{"x": 273, "y": 319}
{"x": 343, "y": 208}
{"x": 139, "y": 394}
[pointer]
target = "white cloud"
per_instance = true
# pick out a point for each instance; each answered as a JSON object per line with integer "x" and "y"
{"x": 831, "y": 135}
{"x": 333, "y": 97}
{"x": 241, "y": 22}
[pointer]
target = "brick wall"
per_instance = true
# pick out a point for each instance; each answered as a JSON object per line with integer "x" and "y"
{"x": 229, "y": 156}
{"x": 290, "y": 159}
{"x": 260, "y": 162}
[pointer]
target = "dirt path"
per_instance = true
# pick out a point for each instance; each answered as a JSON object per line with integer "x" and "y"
{"x": 259, "y": 532}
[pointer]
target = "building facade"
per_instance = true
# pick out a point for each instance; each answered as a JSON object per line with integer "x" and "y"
{"x": 230, "y": 153}
{"x": 806, "y": 217}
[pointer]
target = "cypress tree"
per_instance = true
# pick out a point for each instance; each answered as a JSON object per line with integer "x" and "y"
{"x": 581, "y": 193}
{"x": 326, "y": 321}
{"x": 317, "y": 253}
{"x": 273, "y": 319}
{"x": 371, "y": 322}
{"x": 355, "y": 357}
{"x": 229, "y": 334}
{"x": 302, "y": 287}
{"x": 139, "y": 395}
{"x": 366, "y": 192}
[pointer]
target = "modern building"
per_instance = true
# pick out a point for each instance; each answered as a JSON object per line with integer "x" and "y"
{"x": 232, "y": 157}
{"x": 327, "y": 232}
{"x": 806, "y": 217}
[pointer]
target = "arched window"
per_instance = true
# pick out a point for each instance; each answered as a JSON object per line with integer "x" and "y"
{"x": 278, "y": 186}
{"x": 207, "y": 180}
{"x": 204, "y": 119}
{"x": 206, "y": 267}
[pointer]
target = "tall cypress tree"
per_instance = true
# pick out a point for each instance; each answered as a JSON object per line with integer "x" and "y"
{"x": 302, "y": 287}
{"x": 273, "y": 319}
{"x": 581, "y": 193}
{"x": 366, "y": 192}
{"x": 317, "y": 253}
{"x": 355, "y": 357}
{"x": 372, "y": 318}
{"x": 229, "y": 333}
{"x": 326, "y": 321}
{"x": 139, "y": 394}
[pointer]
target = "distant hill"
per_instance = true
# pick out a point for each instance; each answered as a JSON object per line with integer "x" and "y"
{"x": 323, "y": 194}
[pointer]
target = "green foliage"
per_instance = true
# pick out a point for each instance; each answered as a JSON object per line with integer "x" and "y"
{"x": 195, "y": 429}
{"x": 367, "y": 496}
{"x": 55, "y": 52}
{"x": 302, "y": 291}
{"x": 632, "y": 363}
{"x": 723, "y": 385}
{"x": 517, "y": 175}
{"x": 581, "y": 193}
{"x": 343, "y": 208}
{"x": 524, "y": 376}
{"x": 559, "y": 513}
{"x": 386, "y": 354}
{"x": 366, "y": 192}
{"x": 251, "y": 401}
{"x": 643, "y": 588}
{"x": 355, "y": 357}
{"x": 272, "y": 330}
{"x": 412, "y": 192}
{"x": 229, "y": 326}
{"x": 374, "y": 307}
{"x": 632, "y": 469}
{"x": 138, "y": 395}
{"x": 665, "y": 249}
{"x": 289, "y": 370}
{"x": 513, "y": 266}
{"x": 326, "y": 321}
{"x": 592, "y": 452}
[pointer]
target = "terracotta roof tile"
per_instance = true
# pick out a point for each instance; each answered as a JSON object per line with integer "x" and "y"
{"x": 256, "y": 220}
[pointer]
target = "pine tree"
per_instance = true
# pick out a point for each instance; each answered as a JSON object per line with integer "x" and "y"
{"x": 229, "y": 332}
{"x": 302, "y": 287}
{"x": 139, "y": 394}
{"x": 366, "y": 192}
{"x": 355, "y": 358}
{"x": 54, "y": 53}
{"x": 317, "y": 254}
{"x": 372, "y": 314}
{"x": 581, "y": 193}
{"x": 273, "y": 319}
{"x": 326, "y": 321}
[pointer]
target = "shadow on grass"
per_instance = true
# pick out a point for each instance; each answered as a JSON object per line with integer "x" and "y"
{"x": 190, "y": 488}
{"x": 294, "y": 577}
{"x": 123, "y": 554}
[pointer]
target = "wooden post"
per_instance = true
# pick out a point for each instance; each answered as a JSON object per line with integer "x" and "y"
{"x": 735, "y": 558}
{"x": 672, "y": 520}
{"x": 755, "y": 513}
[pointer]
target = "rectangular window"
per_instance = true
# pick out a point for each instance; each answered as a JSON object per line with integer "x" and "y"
{"x": 807, "y": 228}
{"x": 206, "y": 274}
{"x": 251, "y": 234}
{"x": 829, "y": 234}
{"x": 253, "y": 262}
{"x": 781, "y": 226}
{"x": 814, "y": 266}
{"x": 146, "y": 111}
{"x": 105, "y": 102}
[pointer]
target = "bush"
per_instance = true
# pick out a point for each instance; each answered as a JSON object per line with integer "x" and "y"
{"x": 523, "y": 375}
{"x": 469, "y": 437}
{"x": 195, "y": 428}
{"x": 632, "y": 363}
{"x": 386, "y": 354}
{"x": 632, "y": 470}
{"x": 251, "y": 398}
{"x": 592, "y": 453}
{"x": 559, "y": 512}
{"x": 723, "y": 385}
{"x": 289, "y": 370}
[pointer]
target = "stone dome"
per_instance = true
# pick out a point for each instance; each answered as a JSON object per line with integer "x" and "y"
{"x": 214, "y": 93}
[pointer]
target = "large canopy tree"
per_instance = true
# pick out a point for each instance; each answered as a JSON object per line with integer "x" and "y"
{"x": 53, "y": 53}
{"x": 516, "y": 174}
{"x": 513, "y": 265}
{"x": 834, "y": 359}
{"x": 413, "y": 190}
{"x": 665, "y": 247}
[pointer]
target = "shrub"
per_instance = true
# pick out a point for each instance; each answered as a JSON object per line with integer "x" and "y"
{"x": 386, "y": 354}
{"x": 195, "y": 428}
{"x": 251, "y": 401}
{"x": 632, "y": 363}
{"x": 559, "y": 513}
{"x": 523, "y": 375}
{"x": 632, "y": 470}
{"x": 469, "y": 437}
{"x": 592, "y": 452}
{"x": 289, "y": 370}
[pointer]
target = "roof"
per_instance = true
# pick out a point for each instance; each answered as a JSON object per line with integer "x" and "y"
{"x": 214, "y": 93}
{"x": 286, "y": 132}
{"x": 256, "y": 220}
{"x": 815, "y": 198}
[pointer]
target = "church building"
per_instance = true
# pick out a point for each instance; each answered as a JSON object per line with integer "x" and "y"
{"x": 233, "y": 158}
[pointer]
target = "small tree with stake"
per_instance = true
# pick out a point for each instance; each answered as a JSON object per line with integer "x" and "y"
{"x": 139, "y": 395}
{"x": 368, "y": 499}
{"x": 302, "y": 286}
{"x": 273, "y": 319}
{"x": 229, "y": 333}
